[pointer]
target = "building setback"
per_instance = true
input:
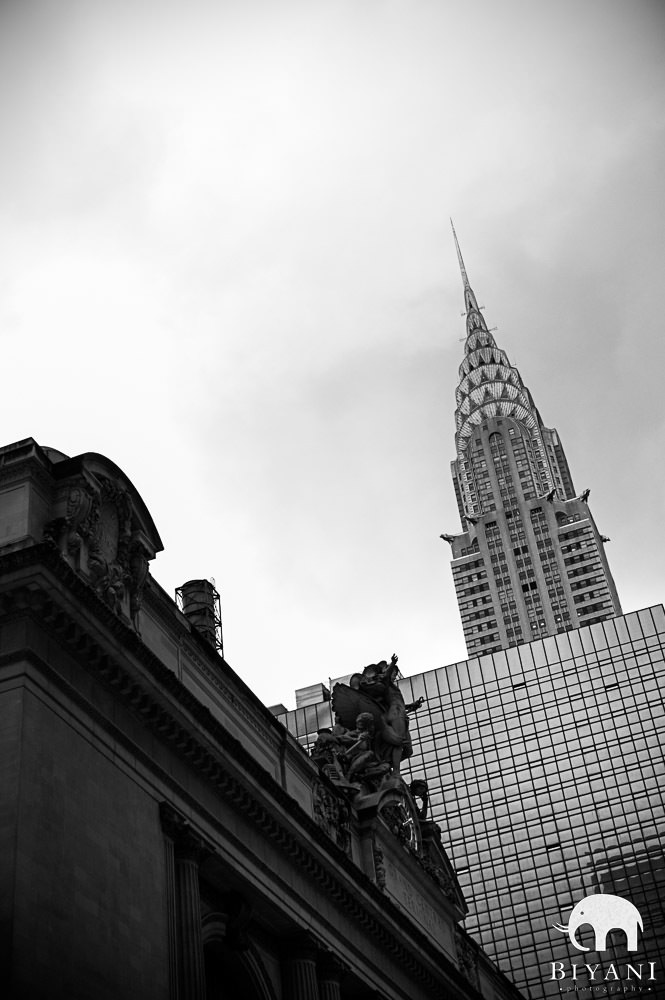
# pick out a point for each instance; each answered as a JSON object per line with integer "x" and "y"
{"x": 530, "y": 561}
{"x": 162, "y": 837}
{"x": 546, "y": 767}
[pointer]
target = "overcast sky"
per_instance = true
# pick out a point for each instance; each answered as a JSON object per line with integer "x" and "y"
{"x": 226, "y": 264}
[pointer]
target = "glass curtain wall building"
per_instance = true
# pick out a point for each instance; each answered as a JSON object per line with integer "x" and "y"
{"x": 530, "y": 560}
{"x": 546, "y": 770}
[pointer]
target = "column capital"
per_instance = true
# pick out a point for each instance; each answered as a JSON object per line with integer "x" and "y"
{"x": 299, "y": 978}
{"x": 330, "y": 965}
{"x": 302, "y": 944}
{"x": 330, "y": 974}
{"x": 188, "y": 845}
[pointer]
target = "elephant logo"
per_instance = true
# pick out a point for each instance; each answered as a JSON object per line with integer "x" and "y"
{"x": 604, "y": 913}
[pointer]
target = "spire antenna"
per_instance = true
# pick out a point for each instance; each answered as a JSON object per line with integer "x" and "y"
{"x": 462, "y": 268}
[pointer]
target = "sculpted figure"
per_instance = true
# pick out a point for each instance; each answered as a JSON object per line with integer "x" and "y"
{"x": 395, "y": 739}
{"x": 330, "y": 747}
{"x": 420, "y": 795}
{"x": 360, "y": 754}
{"x": 348, "y": 757}
{"x": 376, "y": 692}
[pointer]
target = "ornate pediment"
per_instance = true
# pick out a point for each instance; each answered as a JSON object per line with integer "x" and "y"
{"x": 103, "y": 529}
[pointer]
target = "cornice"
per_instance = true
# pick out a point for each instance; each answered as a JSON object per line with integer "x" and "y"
{"x": 27, "y": 468}
{"x": 237, "y": 704}
{"x": 41, "y": 603}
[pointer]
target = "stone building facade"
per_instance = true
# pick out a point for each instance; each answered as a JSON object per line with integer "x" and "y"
{"x": 161, "y": 834}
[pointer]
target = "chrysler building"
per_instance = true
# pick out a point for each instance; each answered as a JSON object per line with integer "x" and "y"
{"x": 530, "y": 561}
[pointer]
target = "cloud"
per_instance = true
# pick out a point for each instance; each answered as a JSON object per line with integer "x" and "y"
{"x": 226, "y": 263}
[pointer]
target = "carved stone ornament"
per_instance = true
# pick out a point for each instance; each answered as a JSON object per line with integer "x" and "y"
{"x": 96, "y": 535}
{"x": 437, "y": 864}
{"x": 467, "y": 959}
{"x": 78, "y": 522}
{"x": 379, "y": 867}
{"x": 138, "y": 572}
{"x": 443, "y": 879}
{"x": 332, "y": 814}
{"x": 80, "y": 517}
{"x": 108, "y": 555}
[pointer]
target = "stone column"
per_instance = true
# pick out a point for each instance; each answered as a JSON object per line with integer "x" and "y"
{"x": 189, "y": 852}
{"x": 299, "y": 977}
{"x": 330, "y": 976}
{"x": 171, "y": 917}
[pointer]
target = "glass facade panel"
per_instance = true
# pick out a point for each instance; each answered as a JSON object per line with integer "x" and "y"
{"x": 586, "y": 638}
{"x": 442, "y": 680}
{"x": 658, "y": 615}
{"x": 575, "y": 642}
{"x": 526, "y": 656}
{"x": 562, "y": 798}
{"x": 634, "y": 627}
{"x": 622, "y": 630}
{"x": 646, "y": 622}
{"x": 418, "y": 688}
{"x": 499, "y": 664}
{"x": 563, "y": 646}
{"x": 475, "y": 673}
{"x": 463, "y": 674}
{"x": 551, "y": 650}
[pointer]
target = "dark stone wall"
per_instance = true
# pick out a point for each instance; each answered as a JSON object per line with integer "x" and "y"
{"x": 11, "y": 711}
{"x": 84, "y": 815}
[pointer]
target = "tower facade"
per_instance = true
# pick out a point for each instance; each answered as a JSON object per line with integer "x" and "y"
{"x": 529, "y": 561}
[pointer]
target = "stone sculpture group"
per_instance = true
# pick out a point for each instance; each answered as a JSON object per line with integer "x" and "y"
{"x": 371, "y": 733}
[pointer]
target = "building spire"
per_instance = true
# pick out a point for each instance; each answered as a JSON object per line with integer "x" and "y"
{"x": 475, "y": 321}
{"x": 465, "y": 277}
